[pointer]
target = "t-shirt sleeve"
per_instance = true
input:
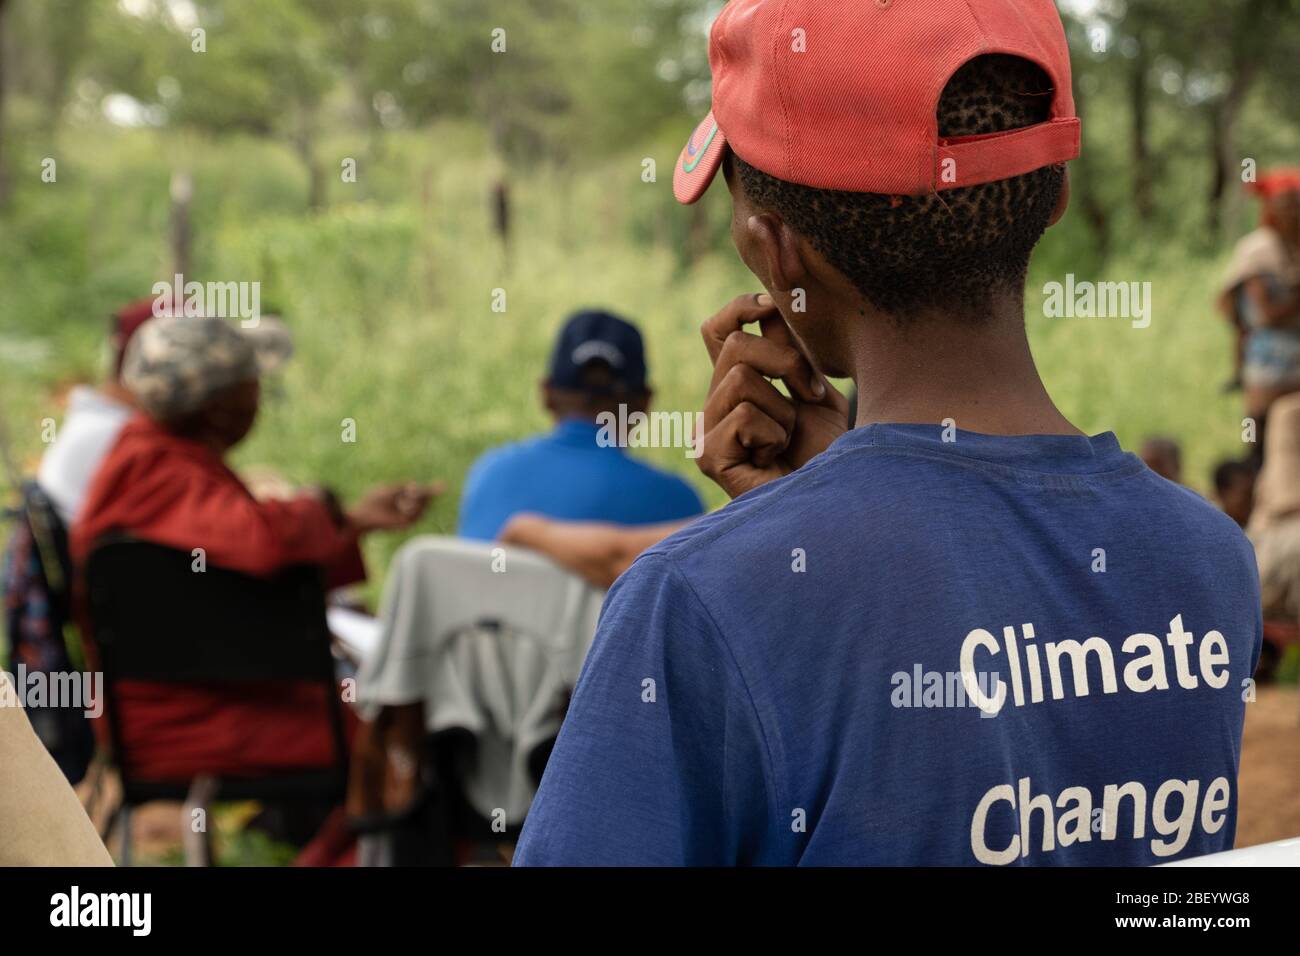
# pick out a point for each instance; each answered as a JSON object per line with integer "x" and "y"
{"x": 661, "y": 760}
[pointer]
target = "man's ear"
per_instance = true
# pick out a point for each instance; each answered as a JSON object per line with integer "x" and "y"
{"x": 777, "y": 250}
{"x": 548, "y": 397}
{"x": 1062, "y": 201}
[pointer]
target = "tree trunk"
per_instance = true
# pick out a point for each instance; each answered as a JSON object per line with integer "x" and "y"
{"x": 1254, "y": 36}
{"x": 1139, "y": 101}
{"x": 306, "y": 146}
{"x": 4, "y": 178}
{"x": 697, "y": 239}
{"x": 1218, "y": 175}
{"x": 316, "y": 186}
{"x": 68, "y": 44}
{"x": 1223, "y": 143}
{"x": 182, "y": 191}
{"x": 427, "y": 240}
{"x": 1083, "y": 188}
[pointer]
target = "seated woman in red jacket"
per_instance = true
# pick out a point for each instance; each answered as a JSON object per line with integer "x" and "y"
{"x": 166, "y": 481}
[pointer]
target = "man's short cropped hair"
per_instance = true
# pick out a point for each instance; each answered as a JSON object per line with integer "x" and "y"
{"x": 948, "y": 251}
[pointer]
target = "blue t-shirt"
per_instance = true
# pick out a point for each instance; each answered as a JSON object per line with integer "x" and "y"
{"x": 782, "y": 681}
{"x": 568, "y": 475}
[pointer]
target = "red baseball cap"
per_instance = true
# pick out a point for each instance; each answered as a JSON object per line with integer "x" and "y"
{"x": 843, "y": 94}
{"x": 126, "y": 321}
{"x": 1275, "y": 182}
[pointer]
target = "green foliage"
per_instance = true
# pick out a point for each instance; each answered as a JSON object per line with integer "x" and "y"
{"x": 234, "y": 844}
{"x": 387, "y": 286}
{"x": 390, "y": 300}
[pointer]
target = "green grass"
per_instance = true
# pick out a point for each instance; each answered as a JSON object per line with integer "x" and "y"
{"x": 233, "y": 844}
{"x": 389, "y": 294}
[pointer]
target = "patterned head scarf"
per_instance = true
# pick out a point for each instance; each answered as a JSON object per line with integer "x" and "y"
{"x": 176, "y": 365}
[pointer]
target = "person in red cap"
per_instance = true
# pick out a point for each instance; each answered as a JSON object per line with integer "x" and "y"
{"x": 1260, "y": 295}
{"x": 94, "y": 417}
{"x": 963, "y": 631}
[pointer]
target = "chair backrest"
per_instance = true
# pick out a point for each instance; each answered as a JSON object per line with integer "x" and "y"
{"x": 50, "y": 537}
{"x": 492, "y": 653}
{"x": 37, "y": 605}
{"x": 155, "y": 617}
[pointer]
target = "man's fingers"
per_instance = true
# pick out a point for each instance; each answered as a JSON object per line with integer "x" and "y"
{"x": 815, "y": 386}
{"x": 744, "y": 433}
{"x": 769, "y": 358}
{"x": 733, "y": 317}
{"x": 802, "y": 378}
{"x": 742, "y": 384}
{"x": 741, "y": 452}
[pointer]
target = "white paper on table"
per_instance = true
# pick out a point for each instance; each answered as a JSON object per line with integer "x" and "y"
{"x": 358, "y": 633}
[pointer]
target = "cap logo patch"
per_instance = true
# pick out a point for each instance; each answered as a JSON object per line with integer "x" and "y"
{"x": 588, "y": 351}
{"x": 696, "y": 153}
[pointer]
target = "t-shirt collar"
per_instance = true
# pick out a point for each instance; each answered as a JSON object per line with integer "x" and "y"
{"x": 1068, "y": 454}
{"x": 580, "y": 433}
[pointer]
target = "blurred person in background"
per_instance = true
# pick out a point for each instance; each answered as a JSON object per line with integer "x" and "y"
{"x": 1164, "y": 456}
{"x": 1234, "y": 489}
{"x": 1274, "y": 526}
{"x": 94, "y": 416}
{"x": 166, "y": 481}
{"x": 36, "y": 569}
{"x": 1260, "y": 295}
{"x": 598, "y": 365}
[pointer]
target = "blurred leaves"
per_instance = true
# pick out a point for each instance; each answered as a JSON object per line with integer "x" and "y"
{"x": 572, "y": 77}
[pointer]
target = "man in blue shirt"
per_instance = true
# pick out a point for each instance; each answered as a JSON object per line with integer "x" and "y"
{"x": 580, "y": 471}
{"x": 963, "y": 632}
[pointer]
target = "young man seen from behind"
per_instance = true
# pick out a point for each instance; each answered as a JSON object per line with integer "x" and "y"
{"x": 963, "y": 632}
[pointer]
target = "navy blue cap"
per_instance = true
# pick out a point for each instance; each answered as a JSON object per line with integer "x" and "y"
{"x": 594, "y": 336}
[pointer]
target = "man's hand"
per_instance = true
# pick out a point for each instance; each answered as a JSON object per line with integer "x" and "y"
{"x": 595, "y": 550}
{"x": 752, "y": 433}
{"x": 392, "y": 507}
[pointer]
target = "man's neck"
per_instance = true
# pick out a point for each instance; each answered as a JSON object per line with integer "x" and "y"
{"x": 977, "y": 372}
